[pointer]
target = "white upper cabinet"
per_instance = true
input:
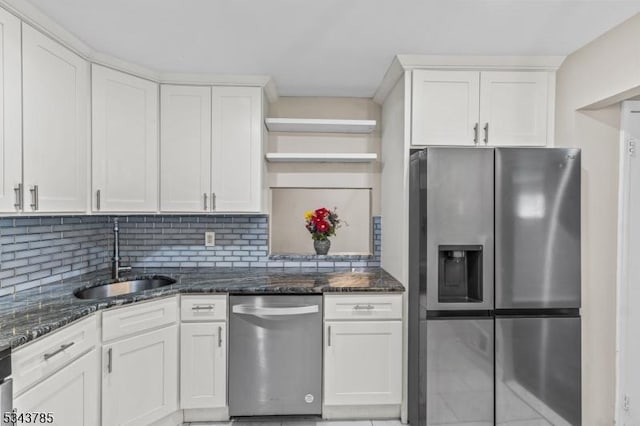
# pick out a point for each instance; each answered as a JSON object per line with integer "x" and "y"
{"x": 10, "y": 113}
{"x": 56, "y": 125}
{"x": 211, "y": 149}
{"x": 185, "y": 149}
{"x": 236, "y": 149}
{"x": 445, "y": 107}
{"x": 125, "y": 142}
{"x": 496, "y": 108}
{"x": 513, "y": 108}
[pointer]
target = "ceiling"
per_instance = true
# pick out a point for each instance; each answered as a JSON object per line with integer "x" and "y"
{"x": 327, "y": 47}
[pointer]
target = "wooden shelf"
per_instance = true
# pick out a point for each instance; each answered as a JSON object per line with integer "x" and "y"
{"x": 275, "y": 157}
{"x": 314, "y": 125}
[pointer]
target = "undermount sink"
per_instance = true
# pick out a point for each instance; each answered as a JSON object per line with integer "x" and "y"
{"x": 123, "y": 287}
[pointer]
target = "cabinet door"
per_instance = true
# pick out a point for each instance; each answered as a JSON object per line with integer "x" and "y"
{"x": 55, "y": 126}
{"x": 236, "y": 148}
{"x": 125, "y": 142}
{"x": 445, "y": 107}
{"x": 140, "y": 378}
{"x": 185, "y": 148}
{"x": 10, "y": 113}
{"x": 514, "y": 105}
{"x": 70, "y": 395}
{"x": 363, "y": 362}
{"x": 203, "y": 365}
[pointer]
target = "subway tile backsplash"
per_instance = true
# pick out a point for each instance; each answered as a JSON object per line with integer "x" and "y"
{"x": 36, "y": 251}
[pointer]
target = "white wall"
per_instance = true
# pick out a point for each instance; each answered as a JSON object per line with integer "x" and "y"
{"x": 353, "y": 206}
{"x": 604, "y": 68}
{"x": 395, "y": 199}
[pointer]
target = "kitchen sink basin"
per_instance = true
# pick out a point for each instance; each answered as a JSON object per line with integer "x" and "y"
{"x": 123, "y": 287}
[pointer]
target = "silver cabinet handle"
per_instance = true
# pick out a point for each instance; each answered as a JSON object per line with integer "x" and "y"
{"x": 486, "y": 133}
{"x": 98, "y": 199}
{"x": 475, "y": 133}
{"x": 213, "y": 201}
{"x": 329, "y": 336}
{"x": 205, "y": 201}
{"x": 109, "y": 360}
{"x": 19, "y": 200}
{"x": 202, "y": 308}
{"x": 219, "y": 336}
{"x": 34, "y": 197}
{"x": 57, "y": 351}
{"x": 367, "y": 307}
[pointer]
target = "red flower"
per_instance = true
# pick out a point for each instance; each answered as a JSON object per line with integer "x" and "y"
{"x": 323, "y": 226}
{"x": 322, "y": 212}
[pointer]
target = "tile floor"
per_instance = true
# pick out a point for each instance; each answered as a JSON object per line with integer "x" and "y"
{"x": 301, "y": 421}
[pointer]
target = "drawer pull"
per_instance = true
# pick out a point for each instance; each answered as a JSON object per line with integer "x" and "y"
{"x": 202, "y": 308}
{"x": 367, "y": 307}
{"x": 57, "y": 351}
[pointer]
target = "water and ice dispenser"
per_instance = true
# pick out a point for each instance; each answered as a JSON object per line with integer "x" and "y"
{"x": 460, "y": 274}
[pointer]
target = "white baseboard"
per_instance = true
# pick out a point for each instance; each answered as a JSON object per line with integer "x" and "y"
{"x": 361, "y": 412}
{"x": 206, "y": 414}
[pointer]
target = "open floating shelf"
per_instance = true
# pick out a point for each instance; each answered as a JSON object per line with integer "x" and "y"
{"x": 318, "y": 125}
{"x": 275, "y": 157}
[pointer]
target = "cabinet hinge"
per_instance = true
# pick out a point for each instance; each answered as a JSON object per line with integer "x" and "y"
{"x": 631, "y": 147}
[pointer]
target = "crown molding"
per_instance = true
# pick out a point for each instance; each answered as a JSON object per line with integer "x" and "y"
{"x": 524, "y": 63}
{"x": 31, "y": 15}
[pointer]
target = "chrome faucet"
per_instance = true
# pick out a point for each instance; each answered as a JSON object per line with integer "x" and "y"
{"x": 116, "y": 268}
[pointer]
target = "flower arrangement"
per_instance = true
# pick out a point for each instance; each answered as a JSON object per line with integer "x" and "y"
{"x": 322, "y": 223}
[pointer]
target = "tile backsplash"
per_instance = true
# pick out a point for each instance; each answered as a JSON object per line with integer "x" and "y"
{"x": 36, "y": 251}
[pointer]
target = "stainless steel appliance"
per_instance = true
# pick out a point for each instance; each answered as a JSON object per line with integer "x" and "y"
{"x": 275, "y": 355}
{"x": 494, "y": 294}
{"x": 6, "y": 386}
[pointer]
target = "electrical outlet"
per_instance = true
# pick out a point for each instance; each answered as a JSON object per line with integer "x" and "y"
{"x": 209, "y": 239}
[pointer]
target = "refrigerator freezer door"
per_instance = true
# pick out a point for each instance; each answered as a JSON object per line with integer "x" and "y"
{"x": 537, "y": 228}
{"x": 459, "y": 216}
{"x": 459, "y": 372}
{"x": 538, "y": 371}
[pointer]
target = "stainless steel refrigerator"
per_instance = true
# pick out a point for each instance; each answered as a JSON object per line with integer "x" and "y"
{"x": 494, "y": 292}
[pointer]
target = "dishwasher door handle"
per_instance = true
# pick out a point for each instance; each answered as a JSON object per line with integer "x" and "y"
{"x": 265, "y": 311}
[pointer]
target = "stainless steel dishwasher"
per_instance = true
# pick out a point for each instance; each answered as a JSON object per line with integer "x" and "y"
{"x": 275, "y": 355}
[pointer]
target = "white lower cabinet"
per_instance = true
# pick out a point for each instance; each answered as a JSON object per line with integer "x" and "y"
{"x": 70, "y": 395}
{"x": 363, "y": 362}
{"x": 362, "y": 355}
{"x": 140, "y": 378}
{"x": 203, "y": 365}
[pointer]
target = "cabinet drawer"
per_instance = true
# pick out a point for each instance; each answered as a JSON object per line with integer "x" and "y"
{"x": 133, "y": 319}
{"x": 204, "y": 308}
{"x": 46, "y": 355}
{"x": 363, "y": 306}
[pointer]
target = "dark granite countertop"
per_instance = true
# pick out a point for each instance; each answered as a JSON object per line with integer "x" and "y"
{"x": 29, "y": 314}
